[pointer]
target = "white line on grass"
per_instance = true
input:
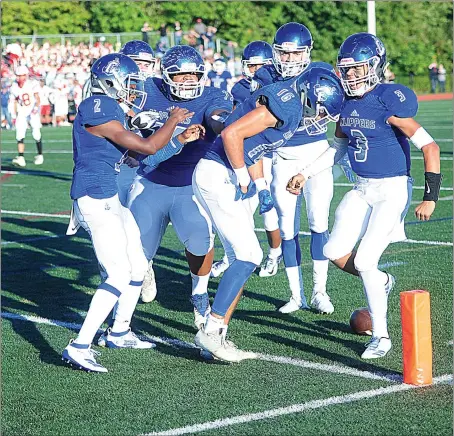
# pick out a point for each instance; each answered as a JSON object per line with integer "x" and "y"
{"x": 50, "y": 215}
{"x": 334, "y": 369}
{"x": 295, "y": 408}
{"x": 414, "y": 187}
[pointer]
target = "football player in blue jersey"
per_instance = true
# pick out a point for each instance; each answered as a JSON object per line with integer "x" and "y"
{"x": 100, "y": 141}
{"x": 219, "y": 77}
{"x": 222, "y": 181}
{"x": 375, "y": 125}
{"x": 168, "y": 186}
{"x": 142, "y": 54}
{"x": 256, "y": 55}
{"x": 292, "y": 47}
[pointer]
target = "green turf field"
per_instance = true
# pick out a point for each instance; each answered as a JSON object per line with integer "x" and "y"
{"x": 309, "y": 378}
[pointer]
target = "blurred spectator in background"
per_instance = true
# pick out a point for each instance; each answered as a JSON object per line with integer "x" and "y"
{"x": 5, "y": 104}
{"x": 201, "y": 29}
{"x": 433, "y": 75}
{"x": 209, "y": 38}
{"x": 441, "y": 78}
{"x": 44, "y": 92}
{"x": 163, "y": 40}
{"x": 178, "y": 33}
{"x": 229, "y": 50}
{"x": 145, "y": 29}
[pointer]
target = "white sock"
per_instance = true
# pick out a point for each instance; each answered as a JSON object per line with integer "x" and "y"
{"x": 200, "y": 284}
{"x": 213, "y": 324}
{"x": 101, "y": 304}
{"x": 295, "y": 280}
{"x": 374, "y": 286}
{"x": 320, "y": 275}
{"x": 125, "y": 308}
{"x": 275, "y": 252}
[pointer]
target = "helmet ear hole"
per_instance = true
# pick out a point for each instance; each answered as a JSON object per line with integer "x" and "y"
{"x": 109, "y": 83}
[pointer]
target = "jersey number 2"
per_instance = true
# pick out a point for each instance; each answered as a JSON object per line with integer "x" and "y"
{"x": 361, "y": 145}
{"x": 97, "y": 105}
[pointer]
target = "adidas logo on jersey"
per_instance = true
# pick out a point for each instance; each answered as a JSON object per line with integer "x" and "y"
{"x": 354, "y": 114}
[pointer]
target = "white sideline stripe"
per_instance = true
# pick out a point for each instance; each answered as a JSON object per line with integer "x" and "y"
{"x": 295, "y": 408}
{"x": 414, "y": 187}
{"x": 334, "y": 369}
{"x": 50, "y": 215}
{"x": 12, "y": 185}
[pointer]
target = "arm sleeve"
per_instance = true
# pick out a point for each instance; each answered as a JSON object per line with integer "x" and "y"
{"x": 173, "y": 147}
{"x": 400, "y": 101}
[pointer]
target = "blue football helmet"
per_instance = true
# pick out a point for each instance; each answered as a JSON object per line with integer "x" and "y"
{"x": 362, "y": 63}
{"x": 142, "y": 54}
{"x": 293, "y": 42}
{"x": 183, "y": 59}
{"x": 118, "y": 77}
{"x": 322, "y": 97}
{"x": 255, "y": 53}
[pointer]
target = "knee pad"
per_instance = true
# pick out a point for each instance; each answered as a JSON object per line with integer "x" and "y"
{"x": 139, "y": 269}
{"x": 200, "y": 243}
{"x": 291, "y": 252}
{"x": 119, "y": 278}
{"x": 333, "y": 252}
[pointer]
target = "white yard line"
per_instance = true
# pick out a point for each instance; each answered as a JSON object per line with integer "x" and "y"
{"x": 294, "y": 408}
{"x": 414, "y": 187}
{"x": 333, "y": 369}
{"x": 50, "y": 215}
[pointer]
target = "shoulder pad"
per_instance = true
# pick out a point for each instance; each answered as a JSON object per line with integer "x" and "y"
{"x": 399, "y": 100}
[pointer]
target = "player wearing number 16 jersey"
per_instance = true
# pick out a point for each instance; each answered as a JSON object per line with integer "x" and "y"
{"x": 374, "y": 125}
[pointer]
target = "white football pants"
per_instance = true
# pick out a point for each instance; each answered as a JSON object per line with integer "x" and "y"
{"x": 215, "y": 188}
{"x": 372, "y": 212}
{"x": 22, "y": 123}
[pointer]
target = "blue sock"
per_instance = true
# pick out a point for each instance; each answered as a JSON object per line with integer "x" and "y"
{"x": 291, "y": 252}
{"x": 232, "y": 281}
{"x": 318, "y": 241}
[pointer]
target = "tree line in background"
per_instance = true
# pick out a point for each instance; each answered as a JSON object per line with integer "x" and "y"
{"x": 415, "y": 33}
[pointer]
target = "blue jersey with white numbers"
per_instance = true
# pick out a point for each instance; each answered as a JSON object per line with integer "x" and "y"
{"x": 219, "y": 81}
{"x": 268, "y": 74}
{"x": 377, "y": 149}
{"x": 241, "y": 91}
{"x": 284, "y": 103}
{"x": 177, "y": 171}
{"x": 96, "y": 160}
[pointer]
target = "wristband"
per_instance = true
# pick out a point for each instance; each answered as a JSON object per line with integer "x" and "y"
{"x": 261, "y": 184}
{"x": 421, "y": 138}
{"x": 432, "y": 186}
{"x": 242, "y": 175}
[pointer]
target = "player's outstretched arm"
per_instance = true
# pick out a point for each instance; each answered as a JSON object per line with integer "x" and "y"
{"x": 115, "y": 132}
{"x": 234, "y": 135}
{"x": 431, "y": 152}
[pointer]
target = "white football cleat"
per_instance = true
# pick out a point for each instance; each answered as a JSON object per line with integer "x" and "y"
{"x": 270, "y": 267}
{"x": 390, "y": 284}
{"x": 201, "y": 303}
{"x": 216, "y": 344}
{"x": 321, "y": 302}
{"x": 377, "y": 347}
{"x": 19, "y": 161}
{"x": 39, "y": 159}
{"x": 149, "y": 290}
{"x": 218, "y": 268}
{"x": 126, "y": 339}
{"x": 293, "y": 306}
{"x": 82, "y": 357}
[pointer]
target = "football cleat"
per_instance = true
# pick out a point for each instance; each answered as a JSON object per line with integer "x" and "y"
{"x": 126, "y": 339}
{"x": 82, "y": 357}
{"x": 202, "y": 308}
{"x": 218, "y": 268}
{"x": 19, "y": 161}
{"x": 39, "y": 159}
{"x": 390, "y": 284}
{"x": 216, "y": 344}
{"x": 293, "y": 306}
{"x": 321, "y": 302}
{"x": 270, "y": 266}
{"x": 149, "y": 290}
{"x": 377, "y": 347}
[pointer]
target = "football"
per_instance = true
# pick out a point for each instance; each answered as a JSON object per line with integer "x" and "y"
{"x": 360, "y": 322}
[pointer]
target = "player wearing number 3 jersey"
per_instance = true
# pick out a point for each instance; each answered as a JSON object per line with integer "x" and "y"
{"x": 375, "y": 125}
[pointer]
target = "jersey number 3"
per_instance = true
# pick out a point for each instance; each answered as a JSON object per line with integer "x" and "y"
{"x": 361, "y": 145}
